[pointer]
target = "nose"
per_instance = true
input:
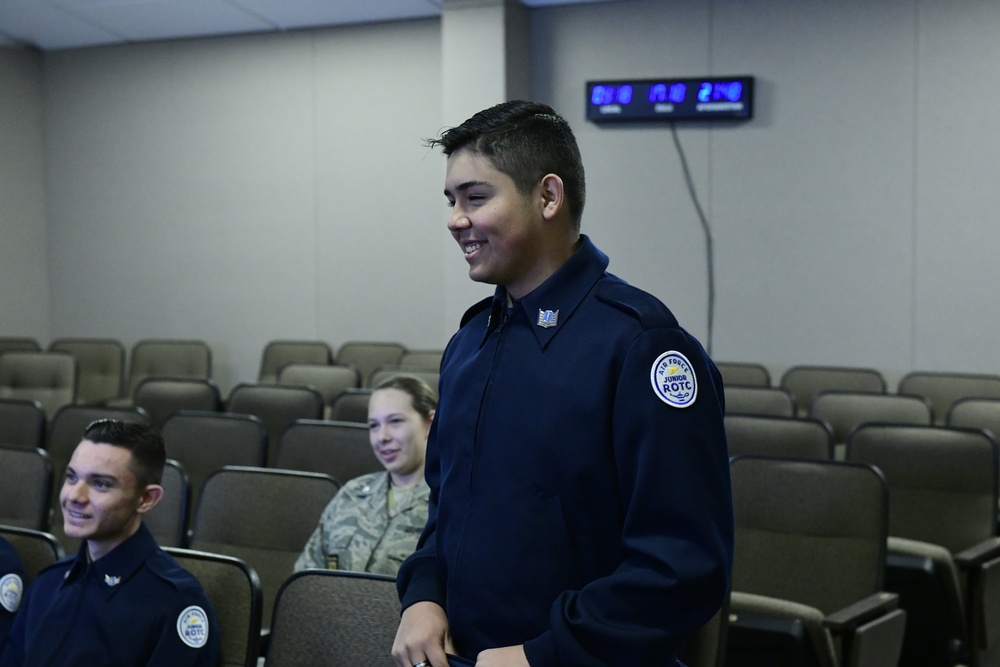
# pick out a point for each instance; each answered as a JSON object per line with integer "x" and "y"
{"x": 458, "y": 220}
{"x": 379, "y": 433}
{"x": 75, "y": 492}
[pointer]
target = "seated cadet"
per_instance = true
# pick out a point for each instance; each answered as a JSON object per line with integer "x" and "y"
{"x": 11, "y": 587}
{"x": 373, "y": 522}
{"x": 121, "y": 600}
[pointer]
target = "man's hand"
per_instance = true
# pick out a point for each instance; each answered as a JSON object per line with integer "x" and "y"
{"x": 508, "y": 656}
{"x": 422, "y": 635}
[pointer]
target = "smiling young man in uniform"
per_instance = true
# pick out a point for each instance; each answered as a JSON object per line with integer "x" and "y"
{"x": 121, "y": 601}
{"x": 580, "y": 509}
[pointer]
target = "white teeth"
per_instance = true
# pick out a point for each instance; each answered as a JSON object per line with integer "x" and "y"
{"x": 472, "y": 247}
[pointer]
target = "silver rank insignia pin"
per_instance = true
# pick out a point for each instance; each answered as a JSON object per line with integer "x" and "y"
{"x": 548, "y": 318}
{"x": 112, "y": 581}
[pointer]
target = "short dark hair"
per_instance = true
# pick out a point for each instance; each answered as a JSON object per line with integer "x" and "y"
{"x": 424, "y": 398}
{"x": 524, "y": 140}
{"x": 149, "y": 454}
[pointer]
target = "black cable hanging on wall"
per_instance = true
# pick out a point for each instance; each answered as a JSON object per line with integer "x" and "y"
{"x": 706, "y": 228}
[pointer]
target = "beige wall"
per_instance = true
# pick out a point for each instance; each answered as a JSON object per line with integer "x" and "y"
{"x": 24, "y": 263}
{"x": 244, "y": 189}
{"x": 226, "y": 189}
{"x": 854, "y": 218}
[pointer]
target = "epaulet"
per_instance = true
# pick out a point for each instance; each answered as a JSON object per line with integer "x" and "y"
{"x": 475, "y": 310}
{"x": 643, "y": 306}
{"x": 163, "y": 566}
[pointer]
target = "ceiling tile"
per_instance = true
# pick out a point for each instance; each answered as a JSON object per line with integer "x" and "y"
{"x": 46, "y": 27}
{"x": 309, "y": 13}
{"x": 163, "y": 19}
{"x": 61, "y": 24}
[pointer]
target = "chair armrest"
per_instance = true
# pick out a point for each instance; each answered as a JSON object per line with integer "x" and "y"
{"x": 861, "y": 612}
{"x": 978, "y": 554}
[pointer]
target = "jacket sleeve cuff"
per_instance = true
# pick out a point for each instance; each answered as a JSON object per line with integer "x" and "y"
{"x": 418, "y": 581}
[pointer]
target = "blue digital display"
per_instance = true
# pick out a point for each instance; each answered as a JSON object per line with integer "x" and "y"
{"x": 671, "y": 99}
{"x": 601, "y": 95}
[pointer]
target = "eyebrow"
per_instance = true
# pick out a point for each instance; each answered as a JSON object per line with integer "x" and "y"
{"x": 388, "y": 416}
{"x": 462, "y": 187}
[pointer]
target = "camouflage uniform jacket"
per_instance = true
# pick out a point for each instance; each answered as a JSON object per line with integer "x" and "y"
{"x": 359, "y": 531}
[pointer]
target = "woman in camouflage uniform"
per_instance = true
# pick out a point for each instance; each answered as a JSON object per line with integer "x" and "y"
{"x": 373, "y": 522}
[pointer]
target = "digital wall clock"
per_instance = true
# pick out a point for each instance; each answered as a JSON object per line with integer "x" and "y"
{"x": 706, "y": 98}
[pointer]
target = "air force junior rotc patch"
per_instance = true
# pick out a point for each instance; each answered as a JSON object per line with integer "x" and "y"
{"x": 674, "y": 380}
{"x": 192, "y": 626}
{"x": 11, "y": 588}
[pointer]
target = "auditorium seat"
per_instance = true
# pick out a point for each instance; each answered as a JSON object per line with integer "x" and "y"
{"x": 168, "y": 358}
{"x": 18, "y": 344}
{"x": 944, "y": 555}
{"x": 743, "y": 374}
{"x": 334, "y": 618}
{"x": 233, "y": 587}
{"x": 763, "y": 401}
{"x": 329, "y": 380}
{"x": 422, "y": 358}
{"x": 340, "y": 449}
{"x": 203, "y": 442}
{"x": 845, "y": 410}
{"x": 47, "y": 377}
{"x": 351, "y": 406}
{"x": 101, "y": 367}
{"x": 944, "y": 389}
{"x": 366, "y": 356}
{"x": 806, "y": 381}
{"x": 26, "y": 481}
{"x": 779, "y": 436}
{"x": 36, "y": 548}
{"x": 162, "y": 397}
{"x": 808, "y": 569}
{"x": 263, "y": 516}
{"x": 277, "y": 353}
{"x": 22, "y": 422}
{"x": 276, "y": 405}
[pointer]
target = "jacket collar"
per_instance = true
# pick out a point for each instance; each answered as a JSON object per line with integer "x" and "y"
{"x": 119, "y": 564}
{"x": 550, "y": 305}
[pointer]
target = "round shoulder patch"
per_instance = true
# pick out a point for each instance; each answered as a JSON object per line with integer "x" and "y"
{"x": 192, "y": 626}
{"x": 11, "y": 588}
{"x": 674, "y": 380}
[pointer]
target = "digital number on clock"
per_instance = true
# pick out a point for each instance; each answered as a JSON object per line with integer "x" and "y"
{"x": 670, "y": 99}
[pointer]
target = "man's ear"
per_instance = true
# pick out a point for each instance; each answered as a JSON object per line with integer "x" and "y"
{"x": 553, "y": 196}
{"x": 152, "y": 495}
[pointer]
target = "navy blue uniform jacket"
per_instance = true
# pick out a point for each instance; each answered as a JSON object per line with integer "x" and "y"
{"x": 12, "y": 583}
{"x": 129, "y": 608}
{"x": 580, "y": 500}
